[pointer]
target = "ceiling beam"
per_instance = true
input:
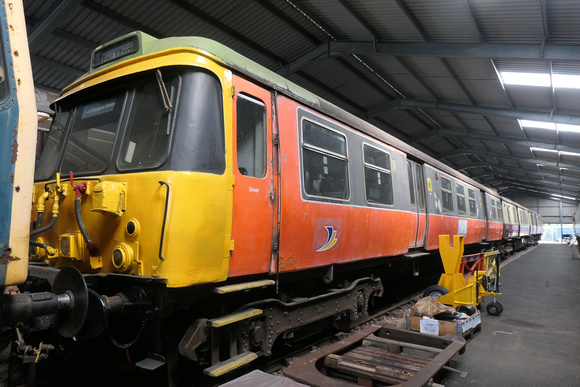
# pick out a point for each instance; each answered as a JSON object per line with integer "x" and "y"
{"x": 483, "y": 110}
{"x": 529, "y": 173}
{"x": 545, "y": 163}
{"x": 35, "y": 59}
{"x": 41, "y": 32}
{"x": 554, "y": 52}
{"x": 507, "y": 177}
{"x": 491, "y": 138}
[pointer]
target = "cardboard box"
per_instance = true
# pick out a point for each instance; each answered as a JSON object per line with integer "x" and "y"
{"x": 461, "y": 328}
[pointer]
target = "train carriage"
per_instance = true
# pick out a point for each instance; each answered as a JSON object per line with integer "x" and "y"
{"x": 182, "y": 179}
{"x": 510, "y": 219}
{"x": 455, "y": 207}
{"x": 494, "y": 216}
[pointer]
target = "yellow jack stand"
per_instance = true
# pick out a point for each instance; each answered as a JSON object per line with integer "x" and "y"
{"x": 456, "y": 290}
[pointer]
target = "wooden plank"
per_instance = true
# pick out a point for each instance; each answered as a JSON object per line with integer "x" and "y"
{"x": 393, "y": 360}
{"x": 382, "y": 340}
{"x": 383, "y": 374}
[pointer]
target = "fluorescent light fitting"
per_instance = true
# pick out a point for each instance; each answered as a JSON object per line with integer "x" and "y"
{"x": 535, "y": 149}
{"x": 564, "y": 153}
{"x": 537, "y": 124}
{"x": 563, "y": 197}
{"x": 525, "y": 79}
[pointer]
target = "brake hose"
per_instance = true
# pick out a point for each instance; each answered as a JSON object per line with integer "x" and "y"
{"x": 79, "y": 190}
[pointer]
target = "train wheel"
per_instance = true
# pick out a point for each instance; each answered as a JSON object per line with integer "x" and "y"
{"x": 435, "y": 291}
{"x": 494, "y": 308}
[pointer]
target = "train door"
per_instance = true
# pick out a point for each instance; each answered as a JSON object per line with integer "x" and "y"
{"x": 417, "y": 191}
{"x": 255, "y": 198}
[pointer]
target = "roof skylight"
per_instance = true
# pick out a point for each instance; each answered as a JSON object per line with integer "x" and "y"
{"x": 560, "y": 153}
{"x": 525, "y": 79}
{"x": 549, "y": 126}
{"x": 568, "y": 81}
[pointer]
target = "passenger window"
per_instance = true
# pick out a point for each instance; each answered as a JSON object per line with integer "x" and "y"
{"x": 460, "y": 190}
{"x": 411, "y": 185}
{"x": 325, "y": 163}
{"x": 251, "y": 136}
{"x": 446, "y": 195}
{"x": 420, "y": 187}
{"x": 493, "y": 212}
{"x": 378, "y": 179}
{"x": 472, "y": 203}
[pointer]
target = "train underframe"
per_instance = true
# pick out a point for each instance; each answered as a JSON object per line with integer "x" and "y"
{"x": 215, "y": 328}
{"x": 212, "y": 329}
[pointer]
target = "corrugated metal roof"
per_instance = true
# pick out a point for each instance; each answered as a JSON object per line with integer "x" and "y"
{"x": 410, "y": 54}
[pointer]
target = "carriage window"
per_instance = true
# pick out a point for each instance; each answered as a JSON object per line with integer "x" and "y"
{"x": 499, "y": 212}
{"x": 460, "y": 199}
{"x": 411, "y": 185}
{"x": 493, "y": 212}
{"x": 325, "y": 166}
{"x": 472, "y": 203}
{"x": 420, "y": 187}
{"x": 378, "y": 179}
{"x": 446, "y": 195}
{"x": 251, "y": 136}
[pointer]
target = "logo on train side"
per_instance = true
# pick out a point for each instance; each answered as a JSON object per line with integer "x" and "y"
{"x": 331, "y": 240}
{"x": 326, "y": 234}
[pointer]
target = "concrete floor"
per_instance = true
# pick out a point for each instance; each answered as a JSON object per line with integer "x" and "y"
{"x": 536, "y": 340}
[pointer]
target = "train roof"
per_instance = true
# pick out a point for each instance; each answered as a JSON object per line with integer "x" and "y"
{"x": 118, "y": 52}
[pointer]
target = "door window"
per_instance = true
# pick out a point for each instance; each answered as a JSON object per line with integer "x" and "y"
{"x": 251, "y": 136}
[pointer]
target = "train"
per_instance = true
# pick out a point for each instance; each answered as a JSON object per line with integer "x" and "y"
{"x": 196, "y": 208}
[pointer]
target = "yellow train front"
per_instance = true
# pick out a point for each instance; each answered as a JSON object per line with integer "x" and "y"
{"x": 108, "y": 153}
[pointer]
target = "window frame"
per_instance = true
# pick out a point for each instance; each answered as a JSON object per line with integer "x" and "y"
{"x": 412, "y": 186}
{"x": 447, "y": 191}
{"x": 313, "y": 148}
{"x": 460, "y": 199}
{"x": 258, "y": 102}
{"x": 470, "y": 200}
{"x": 420, "y": 187}
{"x": 378, "y": 169}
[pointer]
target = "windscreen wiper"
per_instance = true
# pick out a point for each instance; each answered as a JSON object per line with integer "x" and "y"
{"x": 164, "y": 93}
